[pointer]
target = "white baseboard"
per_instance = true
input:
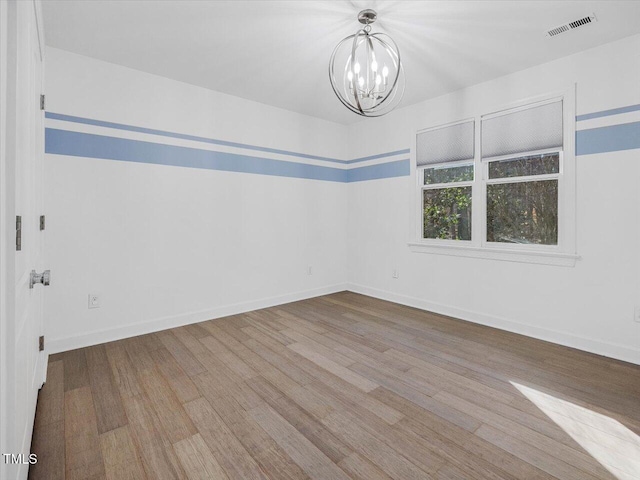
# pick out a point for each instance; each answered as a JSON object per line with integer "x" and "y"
{"x": 619, "y": 352}
{"x": 108, "y": 335}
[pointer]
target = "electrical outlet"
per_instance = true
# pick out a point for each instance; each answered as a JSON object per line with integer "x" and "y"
{"x": 309, "y": 270}
{"x": 395, "y": 273}
{"x": 636, "y": 316}
{"x": 94, "y": 300}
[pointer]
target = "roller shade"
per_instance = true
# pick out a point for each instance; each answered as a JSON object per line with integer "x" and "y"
{"x": 536, "y": 128}
{"x": 446, "y": 144}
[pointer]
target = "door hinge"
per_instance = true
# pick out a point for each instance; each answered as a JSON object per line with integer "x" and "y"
{"x": 41, "y": 222}
{"x": 41, "y": 343}
{"x": 18, "y": 233}
{"x": 42, "y": 102}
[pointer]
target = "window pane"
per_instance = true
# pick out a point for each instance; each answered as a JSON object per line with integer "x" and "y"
{"x": 525, "y": 166}
{"x": 460, "y": 173}
{"x": 447, "y": 213}
{"x": 525, "y": 212}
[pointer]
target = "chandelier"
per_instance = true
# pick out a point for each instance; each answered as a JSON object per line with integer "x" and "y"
{"x": 365, "y": 70}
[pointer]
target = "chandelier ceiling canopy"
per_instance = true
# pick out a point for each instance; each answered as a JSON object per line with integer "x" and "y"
{"x": 365, "y": 70}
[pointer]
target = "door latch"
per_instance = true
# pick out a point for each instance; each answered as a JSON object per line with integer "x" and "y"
{"x": 44, "y": 278}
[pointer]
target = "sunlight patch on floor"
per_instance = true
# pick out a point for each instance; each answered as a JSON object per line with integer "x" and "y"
{"x": 608, "y": 441}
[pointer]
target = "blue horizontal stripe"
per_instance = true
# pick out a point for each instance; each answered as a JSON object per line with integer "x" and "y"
{"x": 164, "y": 133}
{"x": 213, "y": 141}
{"x": 78, "y": 144}
{"x": 380, "y": 155}
{"x": 607, "y": 113}
{"x": 398, "y": 168}
{"x": 64, "y": 142}
{"x": 613, "y": 138}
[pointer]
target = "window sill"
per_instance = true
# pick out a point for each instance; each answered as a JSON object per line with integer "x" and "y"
{"x": 501, "y": 254}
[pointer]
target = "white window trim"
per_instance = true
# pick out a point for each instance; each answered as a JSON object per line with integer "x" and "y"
{"x": 563, "y": 254}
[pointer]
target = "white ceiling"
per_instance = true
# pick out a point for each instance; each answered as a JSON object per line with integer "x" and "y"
{"x": 277, "y": 52}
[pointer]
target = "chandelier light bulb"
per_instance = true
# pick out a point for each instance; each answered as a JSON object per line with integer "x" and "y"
{"x": 380, "y": 87}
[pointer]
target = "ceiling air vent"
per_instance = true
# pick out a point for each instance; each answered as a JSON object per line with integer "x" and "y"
{"x": 571, "y": 25}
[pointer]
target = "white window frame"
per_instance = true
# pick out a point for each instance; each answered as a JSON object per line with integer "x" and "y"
{"x": 437, "y": 186}
{"x": 562, "y": 254}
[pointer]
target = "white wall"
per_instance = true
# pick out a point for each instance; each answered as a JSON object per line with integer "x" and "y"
{"x": 589, "y": 306}
{"x": 165, "y": 245}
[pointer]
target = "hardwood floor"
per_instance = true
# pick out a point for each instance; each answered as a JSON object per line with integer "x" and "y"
{"x": 337, "y": 387}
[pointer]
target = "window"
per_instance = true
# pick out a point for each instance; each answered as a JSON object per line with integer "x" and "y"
{"x": 514, "y": 193}
{"x": 521, "y": 155}
{"x": 446, "y": 158}
{"x": 447, "y": 202}
{"x": 522, "y": 200}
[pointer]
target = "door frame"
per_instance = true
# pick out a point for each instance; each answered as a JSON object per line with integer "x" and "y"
{"x": 8, "y": 53}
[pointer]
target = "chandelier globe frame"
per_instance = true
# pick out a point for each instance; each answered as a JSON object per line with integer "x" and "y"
{"x": 378, "y": 87}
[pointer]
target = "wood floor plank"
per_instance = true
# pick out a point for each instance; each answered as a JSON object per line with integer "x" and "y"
{"x": 197, "y": 330}
{"x": 440, "y": 376}
{"x": 181, "y": 353}
{"x": 228, "y": 450}
{"x": 264, "y": 389}
{"x": 121, "y": 460}
{"x": 48, "y": 444}
{"x": 338, "y": 370}
{"x": 339, "y": 386}
{"x": 317, "y": 343}
{"x": 75, "y": 370}
{"x": 267, "y": 330}
{"x": 123, "y": 372}
{"x": 456, "y": 443}
{"x": 411, "y": 445}
{"x": 173, "y": 418}
{"x": 359, "y": 468}
{"x": 139, "y": 355}
{"x": 150, "y": 341}
{"x": 183, "y": 387}
{"x": 83, "y": 457}
{"x": 279, "y": 361}
{"x": 232, "y": 328}
{"x": 351, "y": 396}
{"x": 226, "y": 356}
{"x": 310, "y": 402}
{"x": 312, "y": 429}
{"x": 536, "y": 457}
{"x": 386, "y": 458}
{"x": 197, "y": 460}
{"x": 559, "y": 444}
{"x": 157, "y": 456}
{"x": 314, "y": 463}
{"x": 240, "y": 423}
{"x": 215, "y": 384}
{"x": 106, "y": 397}
{"x": 264, "y": 450}
{"x": 279, "y": 465}
{"x": 417, "y": 396}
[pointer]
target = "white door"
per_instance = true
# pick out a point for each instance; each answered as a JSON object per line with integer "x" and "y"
{"x": 24, "y": 364}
